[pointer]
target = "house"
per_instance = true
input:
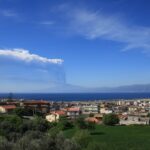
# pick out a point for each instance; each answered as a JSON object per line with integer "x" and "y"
{"x": 92, "y": 119}
{"x": 120, "y": 103}
{"x": 90, "y": 109}
{"x": 105, "y": 110}
{"x": 55, "y": 116}
{"x": 36, "y": 106}
{"x": 132, "y": 108}
{"x": 134, "y": 119}
{"x": 7, "y": 108}
{"x": 73, "y": 112}
{"x": 99, "y": 116}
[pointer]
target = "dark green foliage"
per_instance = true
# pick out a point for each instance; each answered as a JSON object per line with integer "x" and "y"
{"x": 93, "y": 146}
{"x": 83, "y": 138}
{"x": 91, "y": 115}
{"x": 65, "y": 144}
{"x": 21, "y": 134}
{"x": 4, "y": 144}
{"x": 6, "y": 127}
{"x": 9, "y": 125}
{"x": 13, "y": 127}
{"x": 41, "y": 124}
{"x": 13, "y": 119}
{"x": 23, "y": 112}
{"x": 26, "y": 126}
{"x": 37, "y": 134}
{"x": 70, "y": 145}
{"x": 39, "y": 114}
{"x": 91, "y": 125}
{"x": 64, "y": 123}
{"x": 54, "y": 131}
{"x": 110, "y": 119}
{"x": 34, "y": 140}
{"x": 80, "y": 123}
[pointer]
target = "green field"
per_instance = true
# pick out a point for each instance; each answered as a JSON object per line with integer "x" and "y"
{"x": 119, "y": 137}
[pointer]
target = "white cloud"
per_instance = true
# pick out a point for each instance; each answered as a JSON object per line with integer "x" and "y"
{"x": 26, "y": 56}
{"x": 22, "y": 71}
{"x": 94, "y": 25}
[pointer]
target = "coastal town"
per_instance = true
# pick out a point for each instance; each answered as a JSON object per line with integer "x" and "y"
{"x": 129, "y": 112}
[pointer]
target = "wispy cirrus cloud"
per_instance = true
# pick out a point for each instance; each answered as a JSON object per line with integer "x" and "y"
{"x": 98, "y": 25}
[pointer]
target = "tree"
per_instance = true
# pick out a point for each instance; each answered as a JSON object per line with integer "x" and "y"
{"x": 13, "y": 119}
{"x": 110, "y": 119}
{"x": 23, "y": 112}
{"x": 26, "y": 126}
{"x": 9, "y": 127}
{"x": 41, "y": 124}
{"x": 91, "y": 115}
{"x": 80, "y": 123}
{"x": 19, "y": 112}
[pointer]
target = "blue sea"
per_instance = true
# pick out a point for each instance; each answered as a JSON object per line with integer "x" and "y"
{"x": 76, "y": 96}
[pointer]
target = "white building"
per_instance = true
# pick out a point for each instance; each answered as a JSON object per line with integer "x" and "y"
{"x": 105, "y": 111}
{"x": 135, "y": 120}
{"x": 54, "y": 116}
{"x": 73, "y": 112}
{"x": 88, "y": 109}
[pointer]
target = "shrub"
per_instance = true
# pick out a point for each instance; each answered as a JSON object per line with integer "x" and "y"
{"x": 41, "y": 124}
{"x": 82, "y": 137}
{"x": 80, "y": 123}
{"x": 110, "y": 119}
{"x": 13, "y": 119}
{"x": 26, "y": 126}
{"x": 5, "y": 145}
{"x": 65, "y": 144}
{"x": 91, "y": 115}
{"x": 23, "y": 112}
{"x": 64, "y": 123}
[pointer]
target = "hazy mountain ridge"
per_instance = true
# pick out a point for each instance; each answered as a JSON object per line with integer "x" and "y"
{"x": 68, "y": 88}
{"x": 126, "y": 88}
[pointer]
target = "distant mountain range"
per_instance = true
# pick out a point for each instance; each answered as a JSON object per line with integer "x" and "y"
{"x": 127, "y": 88}
{"x": 68, "y": 88}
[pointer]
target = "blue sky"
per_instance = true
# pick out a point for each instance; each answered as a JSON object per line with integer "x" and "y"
{"x": 46, "y": 44}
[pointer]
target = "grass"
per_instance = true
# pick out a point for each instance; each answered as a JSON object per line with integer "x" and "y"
{"x": 119, "y": 137}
